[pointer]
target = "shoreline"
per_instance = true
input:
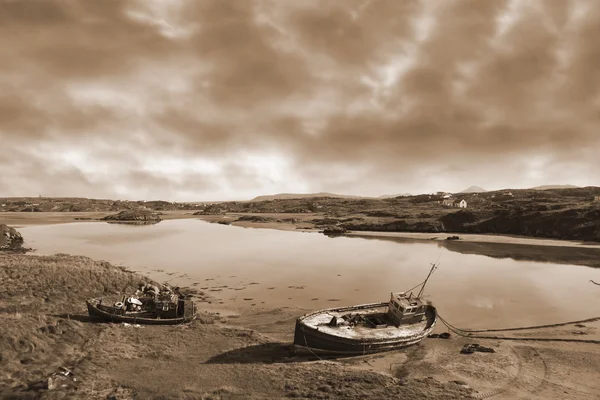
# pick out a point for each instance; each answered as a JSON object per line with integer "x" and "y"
{"x": 426, "y": 237}
{"x": 22, "y": 219}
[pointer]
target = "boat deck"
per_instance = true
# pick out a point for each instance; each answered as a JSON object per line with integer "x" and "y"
{"x": 320, "y": 321}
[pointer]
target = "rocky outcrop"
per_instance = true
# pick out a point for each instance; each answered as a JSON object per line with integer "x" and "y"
{"x": 397, "y": 226}
{"x": 134, "y": 215}
{"x": 10, "y": 239}
{"x": 256, "y": 218}
{"x": 568, "y": 224}
{"x": 334, "y": 230}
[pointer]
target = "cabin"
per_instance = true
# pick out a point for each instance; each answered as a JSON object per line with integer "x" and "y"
{"x": 596, "y": 198}
{"x": 461, "y": 204}
{"x": 404, "y": 309}
{"x": 454, "y": 203}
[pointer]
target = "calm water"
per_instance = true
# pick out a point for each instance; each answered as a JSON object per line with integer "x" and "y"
{"x": 264, "y": 268}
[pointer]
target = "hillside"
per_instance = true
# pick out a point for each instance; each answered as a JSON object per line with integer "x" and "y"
{"x": 546, "y": 187}
{"x": 288, "y": 196}
{"x": 76, "y": 204}
{"x": 389, "y": 196}
{"x": 570, "y": 214}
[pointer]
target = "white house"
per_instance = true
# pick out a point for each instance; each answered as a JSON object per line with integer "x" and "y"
{"x": 461, "y": 204}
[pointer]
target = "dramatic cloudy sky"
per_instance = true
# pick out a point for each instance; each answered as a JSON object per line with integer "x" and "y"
{"x": 229, "y": 99}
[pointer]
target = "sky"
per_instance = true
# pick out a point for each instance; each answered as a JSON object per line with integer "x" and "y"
{"x": 230, "y": 99}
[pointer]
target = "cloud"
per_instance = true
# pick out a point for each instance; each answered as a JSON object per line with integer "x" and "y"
{"x": 368, "y": 96}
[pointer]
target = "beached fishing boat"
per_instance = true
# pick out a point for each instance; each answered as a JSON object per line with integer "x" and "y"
{"x": 368, "y": 328}
{"x": 144, "y": 310}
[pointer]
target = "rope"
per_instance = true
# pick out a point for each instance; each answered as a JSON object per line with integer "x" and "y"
{"x": 467, "y": 333}
{"x": 436, "y": 264}
{"x": 309, "y": 349}
{"x": 523, "y": 327}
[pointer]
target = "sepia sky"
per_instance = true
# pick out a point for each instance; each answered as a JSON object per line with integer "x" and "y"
{"x": 230, "y": 99}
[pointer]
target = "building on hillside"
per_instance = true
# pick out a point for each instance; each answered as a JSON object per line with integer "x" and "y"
{"x": 596, "y": 198}
{"x": 460, "y": 204}
{"x": 448, "y": 202}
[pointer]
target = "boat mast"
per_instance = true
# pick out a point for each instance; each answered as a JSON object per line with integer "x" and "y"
{"x": 433, "y": 268}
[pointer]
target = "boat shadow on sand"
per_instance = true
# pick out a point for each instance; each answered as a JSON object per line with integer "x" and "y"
{"x": 267, "y": 353}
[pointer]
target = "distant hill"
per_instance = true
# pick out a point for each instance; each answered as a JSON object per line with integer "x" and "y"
{"x": 391, "y": 196}
{"x": 287, "y": 196}
{"x": 474, "y": 189}
{"x": 547, "y": 187}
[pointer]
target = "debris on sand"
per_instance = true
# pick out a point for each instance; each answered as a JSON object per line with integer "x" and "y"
{"x": 472, "y": 348}
{"x": 453, "y": 238}
{"x": 444, "y": 335}
{"x": 61, "y": 379}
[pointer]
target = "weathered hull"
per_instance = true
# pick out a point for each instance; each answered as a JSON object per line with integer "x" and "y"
{"x": 310, "y": 340}
{"x": 94, "y": 311}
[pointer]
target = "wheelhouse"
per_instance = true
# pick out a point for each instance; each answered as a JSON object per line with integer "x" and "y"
{"x": 405, "y": 309}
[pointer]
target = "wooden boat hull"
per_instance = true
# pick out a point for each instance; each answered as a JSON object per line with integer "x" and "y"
{"x": 95, "y": 312}
{"x": 311, "y": 340}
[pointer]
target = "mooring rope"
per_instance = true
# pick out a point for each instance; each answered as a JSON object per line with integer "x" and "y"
{"x": 309, "y": 349}
{"x": 468, "y": 333}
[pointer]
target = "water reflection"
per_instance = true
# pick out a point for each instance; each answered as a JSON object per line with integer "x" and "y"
{"x": 521, "y": 252}
{"x": 254, "y": 268}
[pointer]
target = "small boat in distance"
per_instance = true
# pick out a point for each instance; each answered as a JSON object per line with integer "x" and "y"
{"x": 368, "y": 328}
{"x": 154, "y": 308}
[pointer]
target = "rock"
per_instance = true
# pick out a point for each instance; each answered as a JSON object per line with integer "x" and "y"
{"x": 256, "y": 218}
{"x": 334, "y": 230}
{"x": 10, "y": 239}
{"x": 325, "y": 388}
{"x": 134, "y": 215}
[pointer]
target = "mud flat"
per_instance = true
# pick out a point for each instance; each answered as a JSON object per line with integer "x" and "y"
{"x": 45, "y": 331}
